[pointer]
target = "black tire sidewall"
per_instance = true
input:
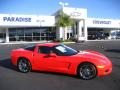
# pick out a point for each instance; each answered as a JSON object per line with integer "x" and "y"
{"x": 78, "y": 71}
{"x": 28, "y": 65}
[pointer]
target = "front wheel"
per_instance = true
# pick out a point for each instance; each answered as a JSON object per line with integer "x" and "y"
{"x": 87, "y": 71}
{"x": 24, "y": 65}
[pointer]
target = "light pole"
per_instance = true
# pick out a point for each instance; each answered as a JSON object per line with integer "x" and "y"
{"x": 41, "y": 21}
{"x": 63, "y": 30}
{"x": 63, "y": 4}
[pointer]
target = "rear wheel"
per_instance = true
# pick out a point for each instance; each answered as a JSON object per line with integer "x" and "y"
{"x": 87, "y": 71}
{"x": 24, "y": 65}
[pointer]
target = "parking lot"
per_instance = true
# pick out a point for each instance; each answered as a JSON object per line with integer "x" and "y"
{"x": 11, "y": 79}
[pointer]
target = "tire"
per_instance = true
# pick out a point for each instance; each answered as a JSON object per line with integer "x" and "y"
{"x": 87, "y": 71}
{"x": 24, "y": 65}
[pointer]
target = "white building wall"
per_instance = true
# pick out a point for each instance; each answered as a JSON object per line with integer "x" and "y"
{"x": 59, "y": 33}
{"x": 2, "y": 30}
{"x": 79, "y": 14}
{"x": 14, "y": 20}
{"x": 103, "y": 23}
{"x": 75, "y": 13}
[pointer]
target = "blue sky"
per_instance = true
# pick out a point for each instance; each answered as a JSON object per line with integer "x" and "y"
{"x": 96, "y": 8}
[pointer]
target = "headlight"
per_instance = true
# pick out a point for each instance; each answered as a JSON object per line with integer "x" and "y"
{"x": 101, "y": 66}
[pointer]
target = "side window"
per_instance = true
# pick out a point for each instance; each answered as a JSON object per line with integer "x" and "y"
{"x": 44, "y": 49}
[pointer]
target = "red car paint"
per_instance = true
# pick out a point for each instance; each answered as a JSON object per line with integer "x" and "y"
{"x": 62, "y": 64}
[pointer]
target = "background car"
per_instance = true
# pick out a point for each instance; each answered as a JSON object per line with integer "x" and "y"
{"x": 2, "y": 40}
{"x": 115, "y": 34}
{"x": 98, "y": 35}
{"x": 55, "y": 57}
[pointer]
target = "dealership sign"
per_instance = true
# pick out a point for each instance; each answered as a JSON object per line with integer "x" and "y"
{"x": 26, "y": 20}
{"x": 16, "y": 19}
{"x": 75, "y": 13}
{"x": 101, "y": 22}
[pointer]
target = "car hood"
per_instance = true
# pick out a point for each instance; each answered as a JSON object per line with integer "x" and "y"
{"x": 93, "y": 55}
{"x": 90, "y": 53}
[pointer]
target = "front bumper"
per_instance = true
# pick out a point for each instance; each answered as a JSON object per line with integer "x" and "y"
{"x": 104, "y": 70}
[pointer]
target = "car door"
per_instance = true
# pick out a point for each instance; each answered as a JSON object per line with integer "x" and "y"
{"x": 50, "y": 62}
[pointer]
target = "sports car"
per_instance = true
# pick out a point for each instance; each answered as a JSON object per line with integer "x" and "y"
{"x": 59, "y": 58}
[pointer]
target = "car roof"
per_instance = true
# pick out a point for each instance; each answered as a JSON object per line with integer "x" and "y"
{"x": 48, "y": 44}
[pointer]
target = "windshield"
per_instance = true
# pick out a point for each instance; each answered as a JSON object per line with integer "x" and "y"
{"x": 113, "y": 34}
{"x": 118, "y": 33}
{"x": 63, "y": 50}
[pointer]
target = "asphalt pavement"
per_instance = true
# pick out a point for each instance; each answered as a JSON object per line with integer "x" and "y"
{"x": 11, "y": 79}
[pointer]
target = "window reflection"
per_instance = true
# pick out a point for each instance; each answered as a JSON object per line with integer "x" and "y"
{"x": 20, "y": 32}
{"x": 31, "y": 34}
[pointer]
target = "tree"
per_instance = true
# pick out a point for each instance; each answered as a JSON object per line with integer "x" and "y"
{"x": 63, "y": 20}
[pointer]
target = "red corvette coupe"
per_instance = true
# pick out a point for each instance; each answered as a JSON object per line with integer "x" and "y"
{"x": 54, "y": 57}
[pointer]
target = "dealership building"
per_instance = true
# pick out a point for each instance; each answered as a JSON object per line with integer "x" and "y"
{"x": 14, "y": 27}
